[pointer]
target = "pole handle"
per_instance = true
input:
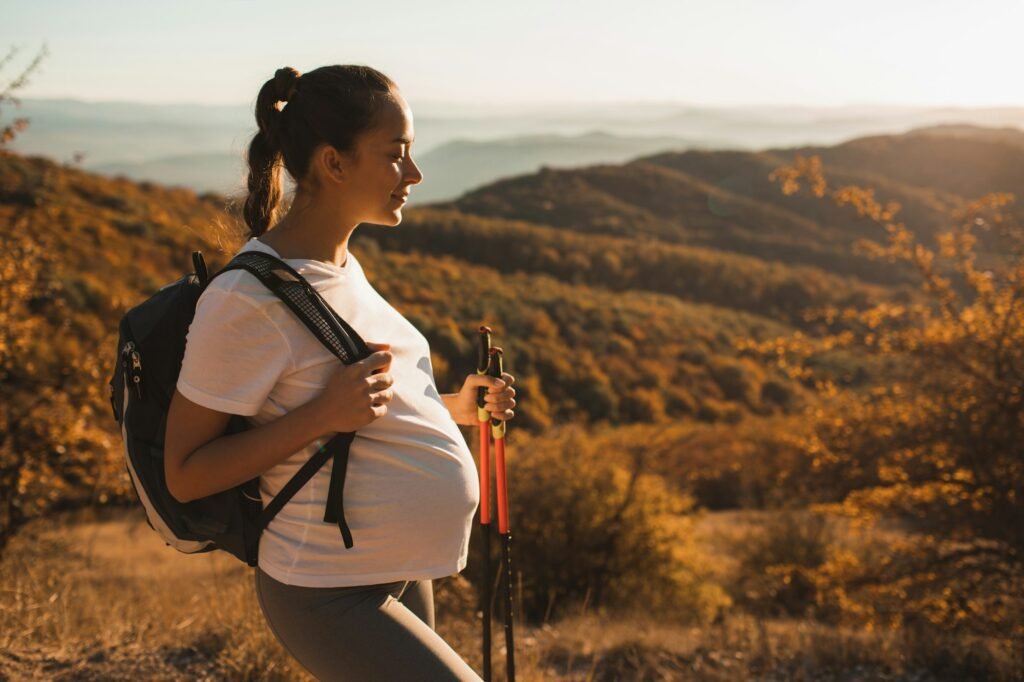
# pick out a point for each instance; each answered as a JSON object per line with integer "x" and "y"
{"x": 496, "y": 368}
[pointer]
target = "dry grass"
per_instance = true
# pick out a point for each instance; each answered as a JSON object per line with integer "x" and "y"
{"x": 105, "y": 599}
{"x": 97, "y": 596}
{"x": 740, "y": 647}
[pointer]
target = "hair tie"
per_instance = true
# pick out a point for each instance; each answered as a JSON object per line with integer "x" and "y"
{"x": 286, "y": 82}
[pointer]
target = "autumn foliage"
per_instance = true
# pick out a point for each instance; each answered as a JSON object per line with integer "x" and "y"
{"x": 935, "y": 445}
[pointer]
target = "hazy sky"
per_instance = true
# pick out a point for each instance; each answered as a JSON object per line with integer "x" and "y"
{"x": 717, "y": 52}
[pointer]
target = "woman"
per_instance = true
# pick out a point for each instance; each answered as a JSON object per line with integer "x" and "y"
{"x": 411, "y": 491}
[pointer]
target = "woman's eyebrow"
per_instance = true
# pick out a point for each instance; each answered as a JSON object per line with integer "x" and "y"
{"x": 403, "y": 139}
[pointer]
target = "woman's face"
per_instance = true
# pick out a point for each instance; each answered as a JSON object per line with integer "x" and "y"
{"x": 383, "y": 171}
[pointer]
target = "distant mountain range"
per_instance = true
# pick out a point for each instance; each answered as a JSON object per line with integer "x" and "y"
{"x": 202, "y": 147}
{"x": 220, "y": 173}
{"x": 448, "y": 170}
{"x": 457, "y": 166}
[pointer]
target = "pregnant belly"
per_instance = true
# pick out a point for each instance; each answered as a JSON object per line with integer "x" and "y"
{"x": 387, "y": 483}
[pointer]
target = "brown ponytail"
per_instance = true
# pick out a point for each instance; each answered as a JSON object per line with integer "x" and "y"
{"x": 331, "y": 104}
{"x": 265, "y": 152}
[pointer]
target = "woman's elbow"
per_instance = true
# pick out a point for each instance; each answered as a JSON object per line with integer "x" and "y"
{"x": 189, "y": 428}
{"x": 172, "y": 476}
{"x": 175, "y": 476}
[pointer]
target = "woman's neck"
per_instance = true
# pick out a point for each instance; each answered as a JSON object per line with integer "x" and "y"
{"x": 313, "y": 234}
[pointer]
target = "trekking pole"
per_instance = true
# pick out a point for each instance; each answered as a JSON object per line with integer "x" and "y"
{"x": 498, "y": 431}
{"x": 482, "y": 366}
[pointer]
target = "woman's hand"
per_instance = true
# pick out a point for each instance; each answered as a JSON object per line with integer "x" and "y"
{"x": 359, "y": 393}
{"x": 498, "y": 401}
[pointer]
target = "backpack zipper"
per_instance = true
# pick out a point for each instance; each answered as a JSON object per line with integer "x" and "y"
{"x": 134, "y": 370}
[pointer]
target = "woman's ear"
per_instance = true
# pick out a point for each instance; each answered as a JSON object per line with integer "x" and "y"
{"x": 332, "y": 163}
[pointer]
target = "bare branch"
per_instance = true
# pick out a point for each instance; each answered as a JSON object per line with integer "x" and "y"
{"x": 22, "y": 80}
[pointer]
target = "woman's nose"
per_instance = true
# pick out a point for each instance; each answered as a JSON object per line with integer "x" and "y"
{"x": 414, "y": 176}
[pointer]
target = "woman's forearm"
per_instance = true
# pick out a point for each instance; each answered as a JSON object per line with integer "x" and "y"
{"x": 450, "y": 401}
{"x": 229, "y": 461}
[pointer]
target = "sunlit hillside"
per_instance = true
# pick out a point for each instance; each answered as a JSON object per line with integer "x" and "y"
{"x": 725, "y": 200}
{"x": 762, "y": 414}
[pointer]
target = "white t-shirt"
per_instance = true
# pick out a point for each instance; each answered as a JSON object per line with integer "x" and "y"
{"x": 411, "y": 488}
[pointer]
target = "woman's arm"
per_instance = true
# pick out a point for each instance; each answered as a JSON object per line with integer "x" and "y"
{"x": 451, "y": 402}
{"x": 199, "y": 460}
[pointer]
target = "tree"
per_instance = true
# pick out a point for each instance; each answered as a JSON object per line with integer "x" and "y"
{"x": 9, "y": 132}
{"x": 937, "y": 445}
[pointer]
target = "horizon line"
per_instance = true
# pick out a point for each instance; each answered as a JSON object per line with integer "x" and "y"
{"x": 539, "y": 104}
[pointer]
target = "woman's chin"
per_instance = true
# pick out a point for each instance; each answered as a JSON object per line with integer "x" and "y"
{"x": 389, "y": 219}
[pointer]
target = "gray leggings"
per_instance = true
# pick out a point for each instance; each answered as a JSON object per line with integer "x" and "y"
{"x": 369, "y": 632}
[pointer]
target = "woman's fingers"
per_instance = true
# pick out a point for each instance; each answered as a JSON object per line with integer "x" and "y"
{"x": 385, "y": 396}
{"x": 506, "y": 391}
{"x": 500, "y": 402}
{"x": 500, "y": 406}
{"x": 502, "y": 398}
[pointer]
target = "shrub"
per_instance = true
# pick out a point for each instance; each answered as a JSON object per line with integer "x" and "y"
{"x": 593, "y": 526}
{"x": 777, "y": 561}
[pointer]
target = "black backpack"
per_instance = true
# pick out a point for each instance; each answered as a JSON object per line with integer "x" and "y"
{"x": 149, "y": 355}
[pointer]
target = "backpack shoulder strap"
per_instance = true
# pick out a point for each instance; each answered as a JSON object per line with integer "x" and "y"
{"x": 342, "y": 340}
{"x": 305, "y": 301}
{"x": 337, "y": 448}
